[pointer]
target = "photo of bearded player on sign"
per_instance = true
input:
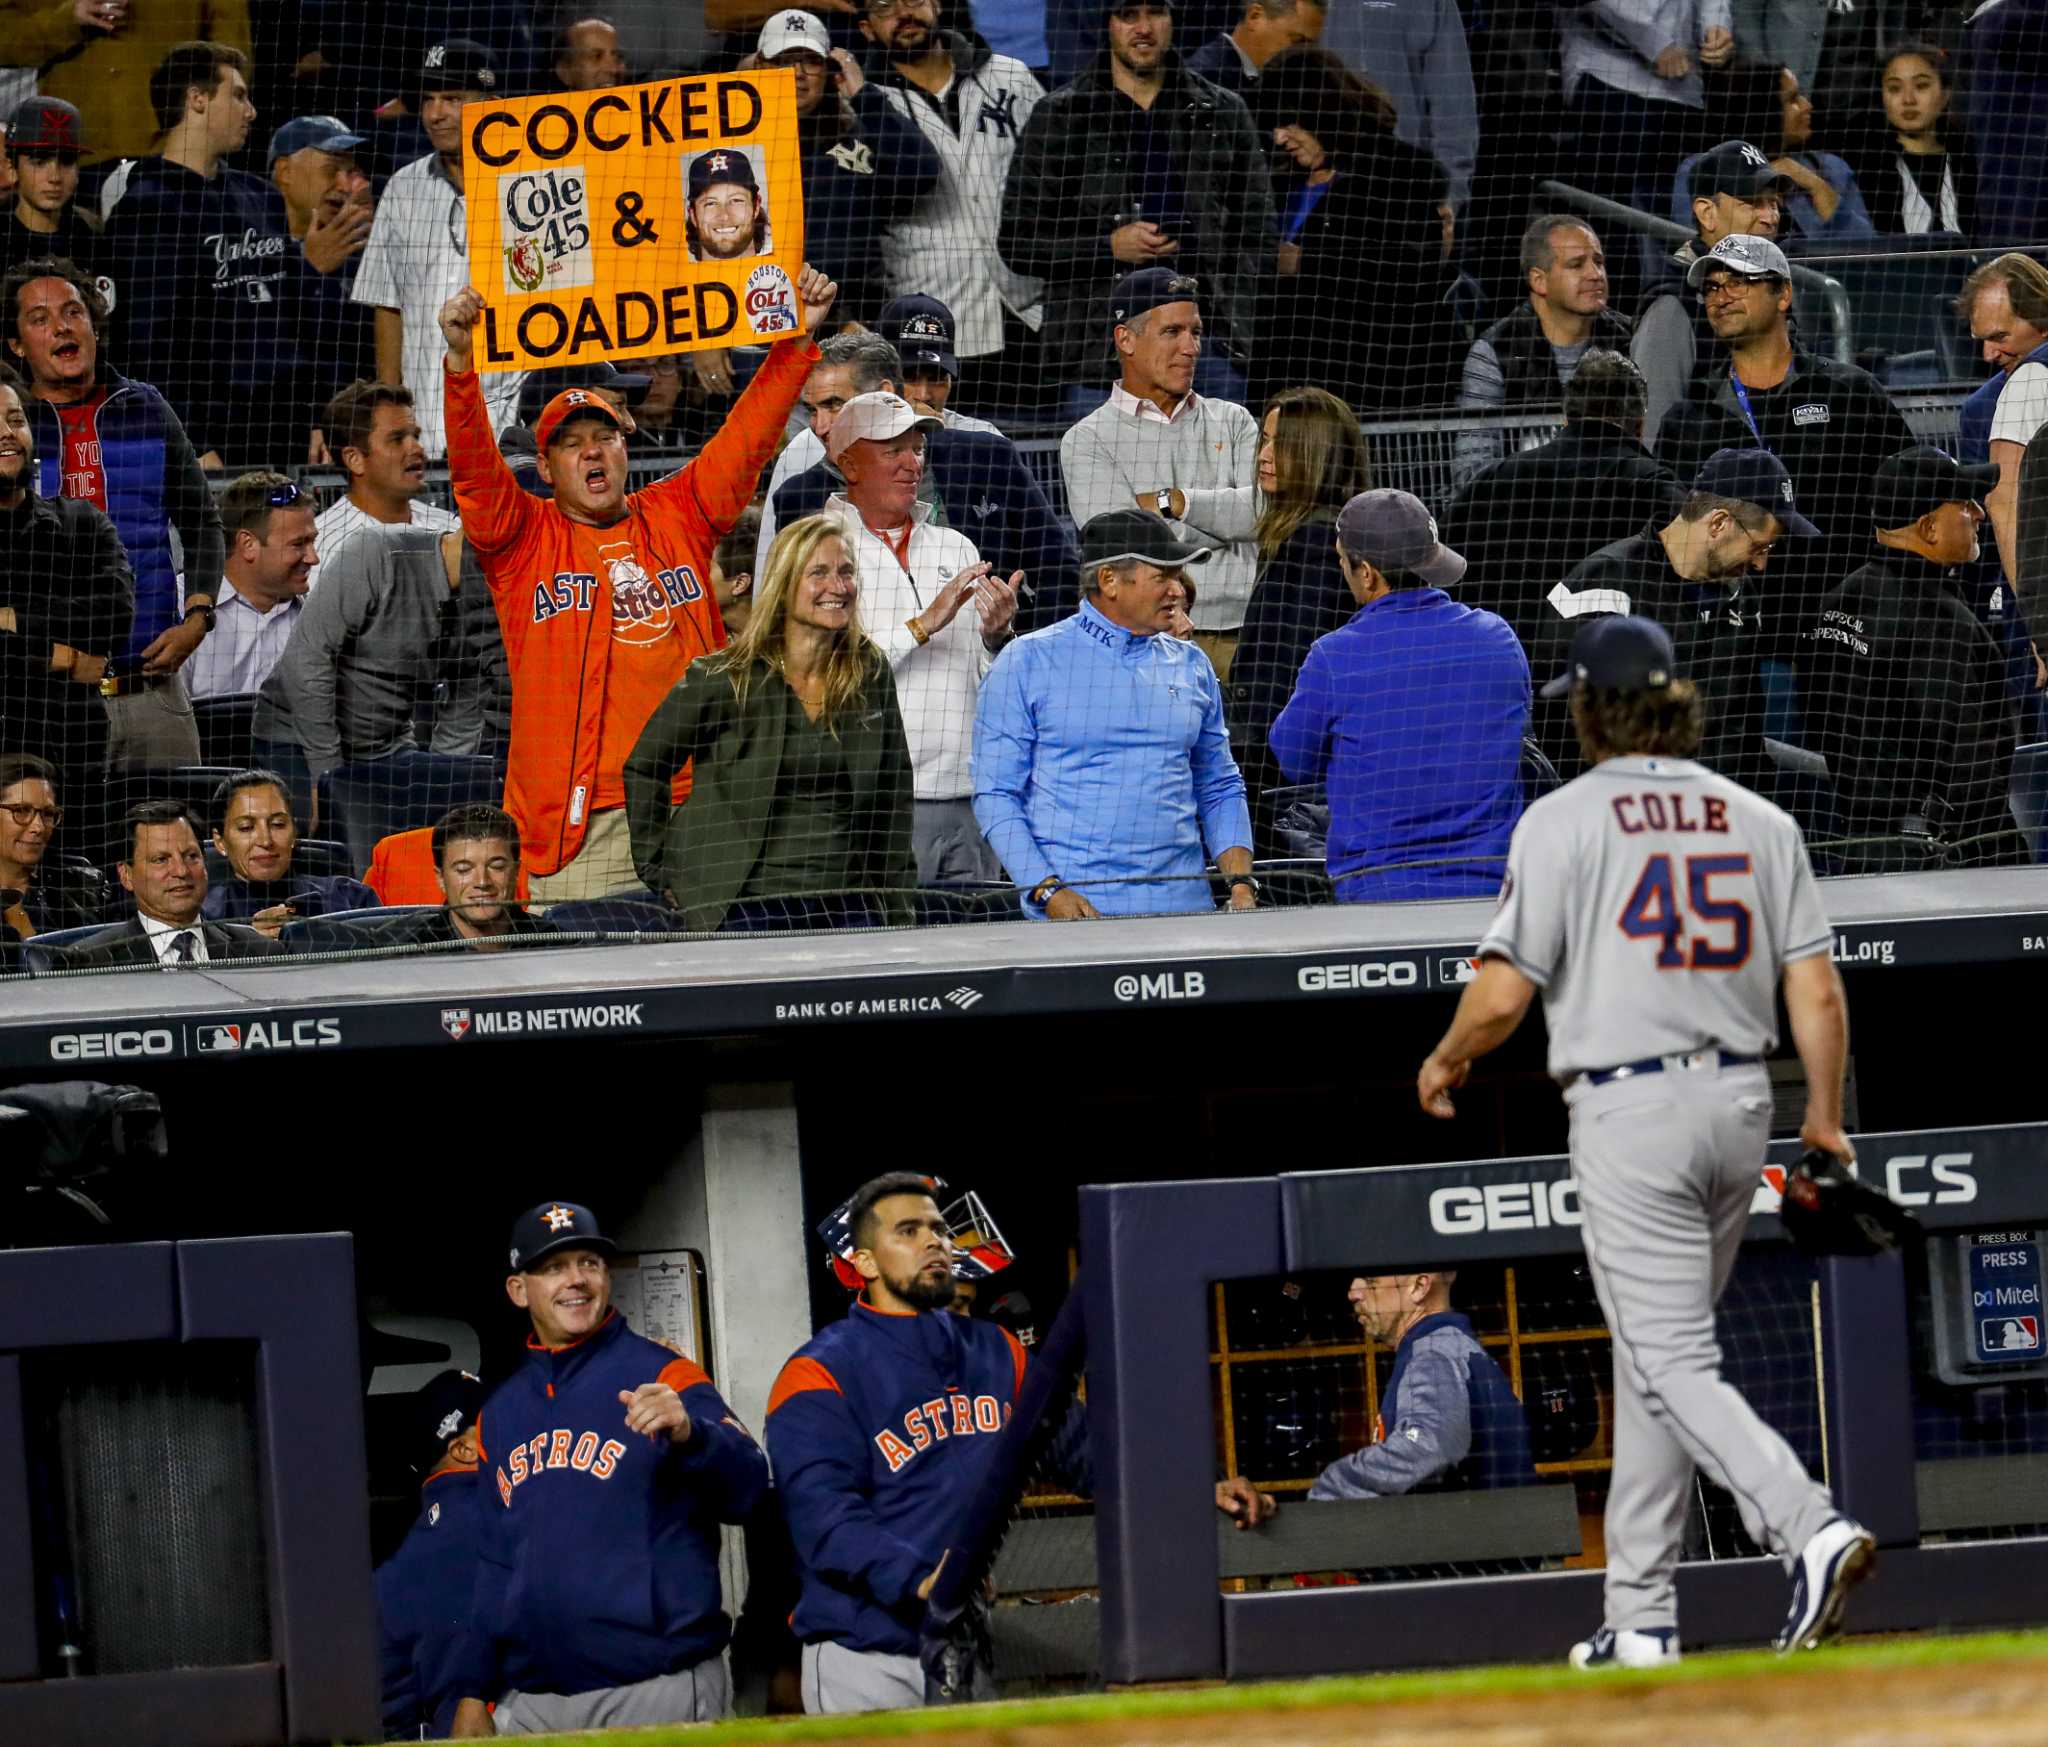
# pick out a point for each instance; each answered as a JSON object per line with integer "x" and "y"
{"x": 728, "y": 215}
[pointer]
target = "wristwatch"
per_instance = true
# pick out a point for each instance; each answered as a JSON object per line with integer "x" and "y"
{"x": 206, "y": 609}
{"x": 1243, "y": 879}
{"x": 1042, "y": 893}
{"x": 1164, "y": 502}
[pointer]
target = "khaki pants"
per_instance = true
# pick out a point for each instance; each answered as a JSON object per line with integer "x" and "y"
{"x": 602, "y": 866}
{"x": 1219, "y": 646}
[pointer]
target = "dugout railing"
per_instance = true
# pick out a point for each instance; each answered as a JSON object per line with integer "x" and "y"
{"x": 1960, "y": 1536}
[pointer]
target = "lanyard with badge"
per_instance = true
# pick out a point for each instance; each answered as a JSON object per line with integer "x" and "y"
{"x": 1748, "y": 412}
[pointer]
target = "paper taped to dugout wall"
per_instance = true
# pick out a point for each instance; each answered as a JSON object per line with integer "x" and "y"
{"x": 584, "y": 213}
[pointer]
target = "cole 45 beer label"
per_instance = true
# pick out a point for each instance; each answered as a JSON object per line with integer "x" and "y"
{"x": 544, "y": 227}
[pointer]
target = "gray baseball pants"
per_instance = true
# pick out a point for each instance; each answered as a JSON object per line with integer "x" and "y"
{"x": 838, "y": 1681}
{"x": 1666, "y": 1166}
{"x": 701, "y": 1693}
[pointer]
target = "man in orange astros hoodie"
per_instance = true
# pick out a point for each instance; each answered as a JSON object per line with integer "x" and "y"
{"x": 604, "y": 595}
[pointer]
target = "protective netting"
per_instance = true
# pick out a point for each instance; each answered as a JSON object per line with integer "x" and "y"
{"x": 1165, "y": 288}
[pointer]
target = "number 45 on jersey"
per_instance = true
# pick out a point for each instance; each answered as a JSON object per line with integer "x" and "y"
{"x": 1676, "y": 889}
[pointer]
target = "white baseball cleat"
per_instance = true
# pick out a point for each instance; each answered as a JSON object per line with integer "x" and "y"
{"x": 1840, "y": 1554}
{"x": 1608, "y": 1648}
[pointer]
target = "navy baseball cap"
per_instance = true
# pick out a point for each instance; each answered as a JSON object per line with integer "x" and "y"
{"x": 921, "y": 330}
{"x": 728, "y": 164}
{"x": 317, "y": 133}
{"x": 556, "y": 1225}
{"x": 1147, "y": 289}
{"x": 1758, "y": 478}
{"x": 459, "y": 64}
{"x": 1118, "y": 536}
{"x": 45, "y": 124}
{"x": 1393, "y": 530}
{"x": 1739, "y": 168}
{"x": 1913, "y": 482}
{"x": 444, "y": 1408}
{"x": 1617, "y": 652}
{"x": 541, "y": 386}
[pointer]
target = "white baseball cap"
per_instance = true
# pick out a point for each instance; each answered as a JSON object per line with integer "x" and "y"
{"x": 875, "y": 417}
{"x": 1749, "y": 257}
{"x": 792, "y": 29}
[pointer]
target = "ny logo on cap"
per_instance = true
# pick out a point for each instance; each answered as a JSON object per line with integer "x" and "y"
{"x": 923, "y": 327}
{"x": 437, "y": 56}
{"x": 1785, "y": 489}
{"x": 559, "y": 1218}
{"x": 719, "y": 161}
{"x": 1750, "y": 155}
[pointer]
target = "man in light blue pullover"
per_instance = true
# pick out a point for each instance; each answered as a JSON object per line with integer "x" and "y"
{"x": 1102, "y": 765}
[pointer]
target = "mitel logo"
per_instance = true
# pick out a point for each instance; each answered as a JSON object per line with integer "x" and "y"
{"x": 92, "y": 1046}
{"x": 1316, "y": 979}
{"x": 268, "y": 1034}
{"x": 1465, "y": 1211}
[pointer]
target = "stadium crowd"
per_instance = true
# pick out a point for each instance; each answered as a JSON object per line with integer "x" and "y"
{"x": 261, "y": 677}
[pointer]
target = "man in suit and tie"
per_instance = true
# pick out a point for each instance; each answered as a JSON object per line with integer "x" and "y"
{"x": 166, "y": 870}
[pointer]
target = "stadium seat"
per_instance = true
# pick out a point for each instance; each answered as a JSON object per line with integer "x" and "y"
{"x": 2028, "y": 793}
{"x": 227, "y": 728}
{"x": 348, "y": 930}
{"x": 191, "y": 785}
{"x": 44, "y": 948}
{"x": 935, "y": 906}
{"x": 613, "y": 916}
{"x": 374, "y": 799}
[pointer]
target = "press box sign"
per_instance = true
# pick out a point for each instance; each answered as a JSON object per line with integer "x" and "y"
{"x": 2004, "y": 1271}
{"x": 635, "y": 221}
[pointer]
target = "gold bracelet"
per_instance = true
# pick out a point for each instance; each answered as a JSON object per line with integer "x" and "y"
{"x": 918, "y": 631}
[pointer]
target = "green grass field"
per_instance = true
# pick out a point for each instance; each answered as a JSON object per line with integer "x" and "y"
{"x": 1751, "y": 1669}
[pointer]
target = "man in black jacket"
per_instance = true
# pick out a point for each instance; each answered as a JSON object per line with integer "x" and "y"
{"x": 1529, "y": 520}
{"x": 66, "y": 599}
{"x": 1831, "y": 424}
{"x": 165, "y": 869}
{"x": 1693, "y": 575}
{"x": 1140, "y": 163}
{"x": 1905, "y": 688}
{"x": 476, "y": 856}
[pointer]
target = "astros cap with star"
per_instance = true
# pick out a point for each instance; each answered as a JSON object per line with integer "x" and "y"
{"x": 572, "y": 403}
{"x": 556, "y": 1225}
{"x": 708, "y": 169}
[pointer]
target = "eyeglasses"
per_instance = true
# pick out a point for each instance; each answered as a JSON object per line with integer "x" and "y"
{"x": 24, "y": 815}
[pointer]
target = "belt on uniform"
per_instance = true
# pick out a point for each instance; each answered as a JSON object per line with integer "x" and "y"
{"x": 1691, "y": 1062}
{"x": 134, "y": 683}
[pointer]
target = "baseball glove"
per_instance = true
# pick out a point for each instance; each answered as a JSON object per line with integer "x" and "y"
{"x": 1827, "y": 1212}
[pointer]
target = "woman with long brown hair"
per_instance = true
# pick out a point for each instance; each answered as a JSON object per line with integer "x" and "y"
{"x": 800, "y": 807}
{"x": 1312, "y": 461}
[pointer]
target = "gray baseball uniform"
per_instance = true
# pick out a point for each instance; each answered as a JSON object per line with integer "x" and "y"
{"x": 1655, "y": 905}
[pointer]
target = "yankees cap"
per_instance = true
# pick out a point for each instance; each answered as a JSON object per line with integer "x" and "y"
{"x": 556, "y": 1225}
{"x": 445, "y": 1407}
{"x": 1913, "y": 482}
{"x": 1618, "y": 652}
{"x": 793, "y": 29}
{"x": 1148, "y": 288}
{"x": 541, "y": 386}
{"x": 1392, "y": 530}
{"x": 921, "y": 330}
{"x": 45, "y": 124}
{"x": 727, "y": 164}
{"x": 1119, "y": 536}
{"x": 1736, "y": 167}
{"x": 1747, "y": 257}
{"x": 572, "y": 403}
{"x": 459, "y": 64}
{"x": 1758, "y": 478}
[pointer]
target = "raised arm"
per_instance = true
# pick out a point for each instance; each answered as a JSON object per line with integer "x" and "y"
{"x": 494, "y": 509}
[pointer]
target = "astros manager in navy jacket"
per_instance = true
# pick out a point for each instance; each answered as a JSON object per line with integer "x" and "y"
{"x": 878, "y": 1428}
{"x": 611, "y": 1462}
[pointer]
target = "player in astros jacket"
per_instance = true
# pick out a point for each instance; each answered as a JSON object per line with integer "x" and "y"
{"x": 610, "y": 1463}
{"x": 877, "y": 1429}
{"x": 636, "y": 565}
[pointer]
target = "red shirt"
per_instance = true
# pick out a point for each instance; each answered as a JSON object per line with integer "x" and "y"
{"x": 80, "y": 464}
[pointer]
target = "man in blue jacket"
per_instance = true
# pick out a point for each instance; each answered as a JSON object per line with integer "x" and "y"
{"x": 425, "y": 1589}
{"x": 1412, "y": 715}
{"x": 117, "y": 445}
{"x": 613, "y": 1462}
{"x": 1102, "y": 764}
{"x": 879, "y": 1428}
{"x": 1448, "y": 1418}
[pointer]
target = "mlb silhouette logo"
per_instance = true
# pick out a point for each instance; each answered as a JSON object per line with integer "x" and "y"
{"x": 2009, "y": 1334}
{"x": 213, "y": 1037}
{"x": 455, "y": 1021}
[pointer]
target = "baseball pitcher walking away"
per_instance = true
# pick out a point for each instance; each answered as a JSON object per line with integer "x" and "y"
{"x": 1659, "y": 907}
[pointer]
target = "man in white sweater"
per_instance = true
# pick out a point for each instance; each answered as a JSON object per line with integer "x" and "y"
{"x": 1159, "y": 445}
{"x": 928, "y": 599}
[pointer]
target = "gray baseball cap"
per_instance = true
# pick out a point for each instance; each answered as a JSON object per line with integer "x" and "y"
{"x": 1750, "y": 257}
{"x": 1392, "y": 530}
